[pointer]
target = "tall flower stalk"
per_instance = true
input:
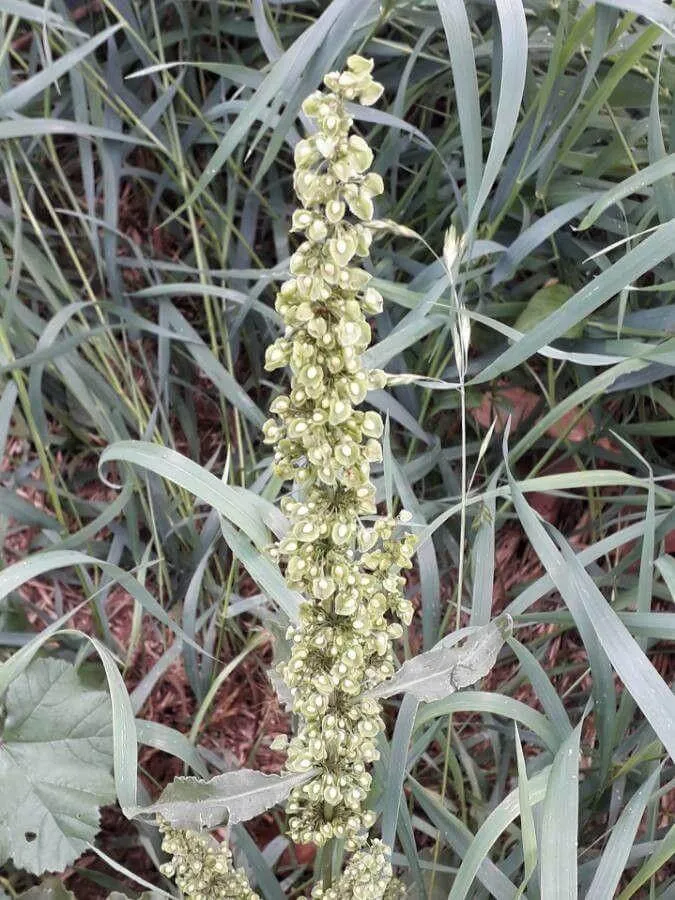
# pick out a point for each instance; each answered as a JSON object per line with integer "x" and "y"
{"x": 343, "y": 558}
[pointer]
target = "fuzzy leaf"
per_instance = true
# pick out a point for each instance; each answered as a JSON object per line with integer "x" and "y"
{"x": 55, "y": 766}
{"x": 443, "y": 670}
{"x": 232, "y": 797}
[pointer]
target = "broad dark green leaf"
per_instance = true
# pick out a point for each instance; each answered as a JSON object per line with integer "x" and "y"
{"x": 56, "y": 756}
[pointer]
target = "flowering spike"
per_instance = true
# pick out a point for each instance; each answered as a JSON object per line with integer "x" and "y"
{"x": 202, "y": 871}
{"x": 367, "y": 876}
{"x": 348, "y": 571}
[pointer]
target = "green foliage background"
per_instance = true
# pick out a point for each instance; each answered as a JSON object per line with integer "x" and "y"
{"x": 147, "y": 158}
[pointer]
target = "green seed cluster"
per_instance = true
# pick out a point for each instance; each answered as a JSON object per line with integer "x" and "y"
{"x": 345, "y": 560}
{"x": 202, "y": 871}
{"x": 395, "y": 890}
{"x": 367, "y": 876}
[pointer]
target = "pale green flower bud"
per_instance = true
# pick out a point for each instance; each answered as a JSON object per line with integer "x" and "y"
{"x": 372, "y": 425}
{"x": 377, "y": 379}
{"x": 335, "y": 211}
{"x": 277, "y": 354}
{"x": 372, "y": 301}
{"x": 342, "y": 247}
{"x": 305, "y": 153}
{"x": 360, "y": 65}
{"x": 373, "y": 184}
{"x": 317, "y": 230}
{"x": 311, "y": 104}
{"x": 360, "y": 153}
{"x": 361, "y": 204}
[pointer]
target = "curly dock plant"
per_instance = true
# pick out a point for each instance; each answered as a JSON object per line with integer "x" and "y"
{"x": 346, "y": 566}
{"x": 344, "y": 559}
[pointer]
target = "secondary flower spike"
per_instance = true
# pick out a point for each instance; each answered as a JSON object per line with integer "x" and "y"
{"x": 203, "y": 871}
{"x": 367, "y": 876}
{"x": 338, "y": 553}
